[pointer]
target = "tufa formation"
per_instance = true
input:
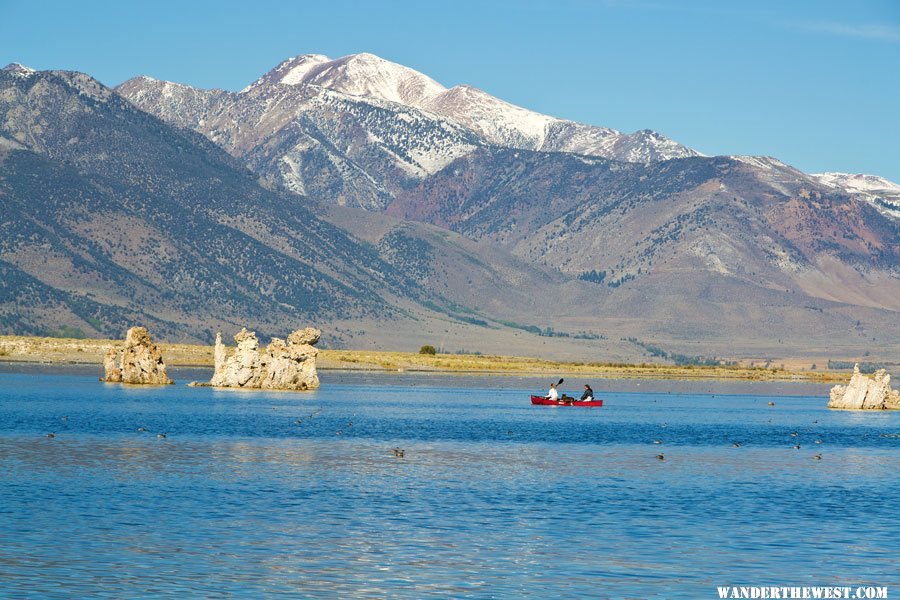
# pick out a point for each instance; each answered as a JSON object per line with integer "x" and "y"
{"x": 141, "y": 361}
{"x": 283, "y": 365}
{"x": 865, "y": 393}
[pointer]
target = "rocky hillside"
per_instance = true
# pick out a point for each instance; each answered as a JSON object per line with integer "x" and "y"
{"x": 755, "y": 220}
{"x": 359, "y": 129}
{"x": 112, "y": 215}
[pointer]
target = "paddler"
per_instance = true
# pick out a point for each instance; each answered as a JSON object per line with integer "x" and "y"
{"x": 553, "y": 394}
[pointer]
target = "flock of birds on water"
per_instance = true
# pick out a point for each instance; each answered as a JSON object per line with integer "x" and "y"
{"x": 396, "y": 451}
{"x": 817, "y": 456}
{"x": 401, "y": 453}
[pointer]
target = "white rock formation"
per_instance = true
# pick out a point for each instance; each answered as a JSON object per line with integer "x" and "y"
{"x": 283, "y": 365}
{"x": 141, "y": 362}
{"x": 865, "y": 393}
{"x": 110, "y": 366}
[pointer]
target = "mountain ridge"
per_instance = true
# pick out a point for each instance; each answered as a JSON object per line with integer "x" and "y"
{"x": 368, "y": 76}
{"x": 450, "y": 237}
{"x": 358, "y": 128}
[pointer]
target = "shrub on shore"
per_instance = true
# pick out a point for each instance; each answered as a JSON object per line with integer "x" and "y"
{"x": 427, "y": 349}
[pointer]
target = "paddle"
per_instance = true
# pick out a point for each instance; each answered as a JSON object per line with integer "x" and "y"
{"x": 559, "y": 383}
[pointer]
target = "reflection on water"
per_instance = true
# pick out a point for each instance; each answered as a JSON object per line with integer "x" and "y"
{"x": 255, "y": 494}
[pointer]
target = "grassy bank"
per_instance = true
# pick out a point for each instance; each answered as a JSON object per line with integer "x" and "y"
{"x": 86, "y": 351}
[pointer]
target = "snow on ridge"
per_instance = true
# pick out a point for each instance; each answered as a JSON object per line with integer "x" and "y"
{"x": 364, "y": 75}
{"x": 19, "y": 70}
{"x": 857, "y": 181}
{"x": 881, "y": 193}
{"x": 293, "y": 70}
{"x": 490, "y": 116}
{"x": 763, "y": 162}
{"x": 288, "y": 71}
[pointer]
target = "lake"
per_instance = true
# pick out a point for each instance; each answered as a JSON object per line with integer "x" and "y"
{"x": 266, "y": 493}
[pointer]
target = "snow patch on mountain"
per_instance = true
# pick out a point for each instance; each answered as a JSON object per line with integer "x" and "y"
{"x": 878, "y": 191}
{"x": 500, "y": 122}
{"x": 180, "y": 104}
{"x": 364, "y": 75}
{"x": 859, "y": 182}
{"x": 19, "y": 70}
{"x": 768, "y": 163}
{"x": 294, "y": 70}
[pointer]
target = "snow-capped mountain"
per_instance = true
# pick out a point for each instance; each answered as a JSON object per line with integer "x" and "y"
{"x": 883, "y": 194}
{"x": 497, "y": 121}
{"x": 682, "y": 252}
{"x": 355, "y": 129}
{"x": 363, "y": 75}
{"x": 19, "y": 70}
{"x": 312, "y": 140}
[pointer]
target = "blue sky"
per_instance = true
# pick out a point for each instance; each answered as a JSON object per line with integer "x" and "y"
{"x": 815, "y": 83}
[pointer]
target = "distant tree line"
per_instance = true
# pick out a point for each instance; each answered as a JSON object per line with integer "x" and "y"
{"x": 679, "y": 359}
{"x": 864, "y": 367}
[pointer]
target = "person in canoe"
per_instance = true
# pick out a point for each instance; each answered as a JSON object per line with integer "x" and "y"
{"x": 553, "y": 394}
{"x": 588, "y": 394}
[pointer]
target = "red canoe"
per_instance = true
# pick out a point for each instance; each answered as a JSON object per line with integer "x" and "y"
{"x": 547, "y": 402}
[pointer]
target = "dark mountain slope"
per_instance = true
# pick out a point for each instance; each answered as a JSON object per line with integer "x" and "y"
{"x": 110, "y": 201}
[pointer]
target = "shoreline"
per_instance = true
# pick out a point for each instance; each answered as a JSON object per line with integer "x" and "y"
{"x": 89, "y": 352}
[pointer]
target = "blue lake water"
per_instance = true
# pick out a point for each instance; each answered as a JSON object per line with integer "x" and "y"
{"x": 494, "y": 497}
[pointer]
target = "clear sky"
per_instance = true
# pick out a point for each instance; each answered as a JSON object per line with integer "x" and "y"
{"x": 813, "y": 82}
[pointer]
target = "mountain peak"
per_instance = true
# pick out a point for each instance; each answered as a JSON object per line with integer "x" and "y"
{"x": 293, "y": 70}
{"x": 19, "y": 69}
{"x": 364, "y": 75}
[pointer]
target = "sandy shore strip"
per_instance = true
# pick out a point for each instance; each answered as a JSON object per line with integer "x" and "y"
{"x": 90, "y": 351}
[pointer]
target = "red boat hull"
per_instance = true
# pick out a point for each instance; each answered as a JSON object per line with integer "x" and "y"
{"x": 547, "y": 402}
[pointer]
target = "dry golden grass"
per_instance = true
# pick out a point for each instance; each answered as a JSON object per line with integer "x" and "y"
{"x": 88, "y": 351}
{"x": 61, "y": 350}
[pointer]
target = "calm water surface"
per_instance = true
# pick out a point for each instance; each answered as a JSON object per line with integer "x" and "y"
{"x": 259, "y": 494}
